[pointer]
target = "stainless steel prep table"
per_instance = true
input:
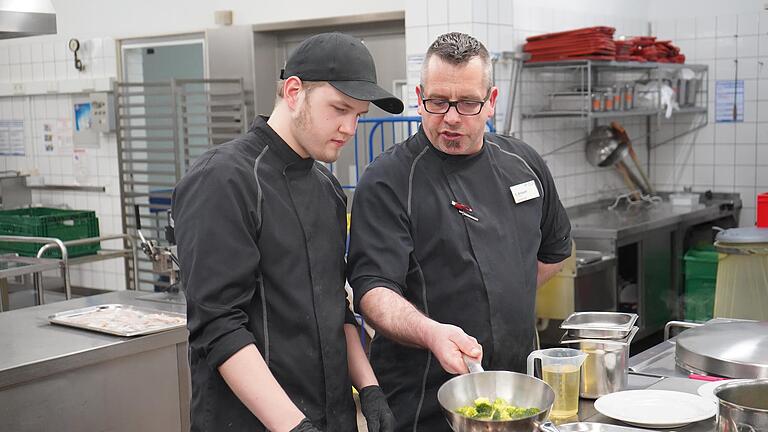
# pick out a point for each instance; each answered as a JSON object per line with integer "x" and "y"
{"x": 651, "y": 240}
{"x": 67, "y": 379}
{"x": 12, "y": 265}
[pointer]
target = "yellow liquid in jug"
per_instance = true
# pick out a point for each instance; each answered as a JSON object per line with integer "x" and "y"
{"x": 564, "y": 380}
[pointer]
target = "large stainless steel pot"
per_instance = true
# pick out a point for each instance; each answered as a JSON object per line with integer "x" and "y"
{"x": 743, "y": 406}
{"x": 518, "y": 389}
{"x": 606, "y": 368}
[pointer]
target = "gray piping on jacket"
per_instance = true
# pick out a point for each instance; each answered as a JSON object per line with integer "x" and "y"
{"x": 410, "y": 180}
{"x": 333, "y": 186}
{"x": 261, "y": 280}
{"x": 258, "y": 183}
{"x": 541, "y": 185}
{"x": 429, "y": 356}
{"x": 264, "y": 319}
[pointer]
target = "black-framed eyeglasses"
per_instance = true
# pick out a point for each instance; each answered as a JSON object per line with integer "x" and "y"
{"x": 463, "y": 107}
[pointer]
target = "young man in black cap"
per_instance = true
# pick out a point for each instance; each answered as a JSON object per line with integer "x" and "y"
{"x": 261, "y": 232}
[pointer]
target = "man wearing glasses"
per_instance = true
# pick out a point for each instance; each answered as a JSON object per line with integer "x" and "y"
{"x": 451, "y": 233}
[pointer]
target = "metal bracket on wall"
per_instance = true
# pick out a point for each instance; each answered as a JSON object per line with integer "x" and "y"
{"x": 516, "y": 59}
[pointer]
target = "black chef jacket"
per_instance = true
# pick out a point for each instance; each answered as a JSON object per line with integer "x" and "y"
{"x": 261, "y": 238}
{"x": 479, "y": 275}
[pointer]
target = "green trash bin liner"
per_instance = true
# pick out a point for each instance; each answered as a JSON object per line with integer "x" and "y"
{"x": 700, "y": 281}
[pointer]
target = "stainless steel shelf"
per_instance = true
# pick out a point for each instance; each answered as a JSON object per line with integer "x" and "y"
{"x": 691, "y": 110}
{"x": 63, "y": 187}
{"x": 591, "y": 74}
{"x": 12, "y": 265}
{"x": 102, "y": 255}
{"x": 594, "y": 115}
{"x": 604, "y": 64}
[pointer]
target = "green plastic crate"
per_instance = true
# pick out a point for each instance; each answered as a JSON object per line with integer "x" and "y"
{"x": 49, "y": 222}
{"x": 700, "y": 281}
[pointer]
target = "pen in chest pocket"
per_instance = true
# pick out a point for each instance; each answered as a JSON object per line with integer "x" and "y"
{"x": 464, "y": 210}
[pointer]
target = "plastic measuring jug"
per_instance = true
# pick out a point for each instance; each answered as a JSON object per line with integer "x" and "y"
{"x": 560, "y": 368}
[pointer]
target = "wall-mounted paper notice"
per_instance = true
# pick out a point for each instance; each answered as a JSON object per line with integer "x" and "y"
{"x": 56, "y": 136}
{"x": 729, "y": 101}
{"x": 12, "y": 138}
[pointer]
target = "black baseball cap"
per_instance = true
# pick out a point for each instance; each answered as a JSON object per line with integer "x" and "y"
{"x": 345, "y": 63}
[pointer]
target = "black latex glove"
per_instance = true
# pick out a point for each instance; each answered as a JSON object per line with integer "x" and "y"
{"x": 305, "y": 426}
{"x": 377, "y": 414}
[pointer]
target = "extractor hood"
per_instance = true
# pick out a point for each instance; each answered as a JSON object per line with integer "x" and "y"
{"x": 21, "y": 18}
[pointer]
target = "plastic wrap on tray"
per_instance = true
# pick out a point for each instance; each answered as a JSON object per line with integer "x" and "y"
{"x": 121, "y": 320}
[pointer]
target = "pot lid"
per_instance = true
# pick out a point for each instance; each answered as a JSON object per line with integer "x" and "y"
{"x": 743, "y": 235}
{"x": 736, "y": 349}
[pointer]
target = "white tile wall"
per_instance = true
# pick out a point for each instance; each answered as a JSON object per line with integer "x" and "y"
{"x": 48, "y": 59}
{"x": 728, "y": 157}
{"x": 719, "y": 157}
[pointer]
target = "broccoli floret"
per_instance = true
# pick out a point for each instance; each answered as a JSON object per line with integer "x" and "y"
{"x": 482, "y": 401}
{"x": 468, "y": 411}
{"x": 530, "y": 412}
{"x": 500, "y": 403}
{"x": 484, "y": 407}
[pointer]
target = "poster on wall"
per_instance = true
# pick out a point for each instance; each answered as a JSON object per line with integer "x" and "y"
{"x": 80, "y": 166}
{"x": 56, "y": 136}
{"x": 12, "y": 138}
{"x": 83, "y": 132}
{"x": 729, "y": 101}
{"x": 413, "y": 73}
{"x": 83, "y": 117}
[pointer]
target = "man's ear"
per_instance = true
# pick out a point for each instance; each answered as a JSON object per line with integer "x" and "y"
{"x": 420, "y": 108}
{"x": 292, "y": 87}
{"x": 492, "y": 100}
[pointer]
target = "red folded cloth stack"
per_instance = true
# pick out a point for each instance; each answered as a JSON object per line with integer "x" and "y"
{"x": 592, "y": 43}
{"x": 668, "y": 53}
{"x": 630, "y": 49}
{"x": 647, "y": 48}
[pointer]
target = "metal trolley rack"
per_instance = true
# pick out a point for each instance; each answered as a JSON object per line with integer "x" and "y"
{"x": 12, "y": 265}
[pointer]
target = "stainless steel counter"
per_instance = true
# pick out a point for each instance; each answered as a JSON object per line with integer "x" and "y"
{"x": 649, "y": 242}
{"x": 656, "y": 369}
{"x": 67, "y": 379}
{"x": 594, "y": 220}
{"x": 588, "y": 413}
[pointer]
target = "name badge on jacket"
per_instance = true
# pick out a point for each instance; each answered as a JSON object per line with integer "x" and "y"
{"x": 524, "y": 191}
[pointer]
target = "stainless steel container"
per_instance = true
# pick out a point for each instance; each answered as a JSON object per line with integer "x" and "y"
{"x": 617, "y": 98}
{"x": 629, "y": 97}
{"x": 743, "y": 406}
{"x": 606, "y": 367}
{"x": 691, "y": 91}
{"x": 597, "y": 102}
{"x": 608, "y": 100}
{"x": 599, "y": 325}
